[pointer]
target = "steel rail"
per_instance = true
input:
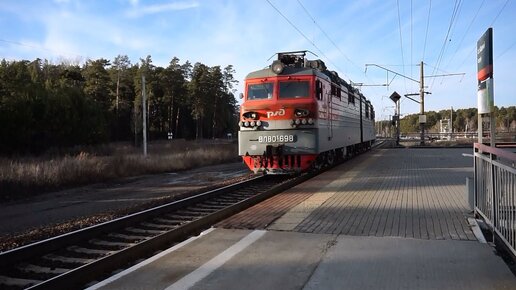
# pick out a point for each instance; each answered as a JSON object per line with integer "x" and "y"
{"x": 189, "y": 217}
{"x": 77, "y": 277}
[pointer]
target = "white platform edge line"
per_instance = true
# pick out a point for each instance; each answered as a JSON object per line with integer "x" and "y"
{"x": 219, "y": 260}
{"x": 476, "y": 230}
{"x": 147, "y": 261}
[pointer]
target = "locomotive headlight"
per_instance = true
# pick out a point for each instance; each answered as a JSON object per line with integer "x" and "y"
{"x": 277, "y": 67}
{"x": 311, "y": 121}
{"x": 301, "y": 113}
{"x": 258, "y": 123}
{"x": 240, "y": 124}
{"x": 246, "y": 124}
{"x": 250, "y": 115}
{"x": 292, "y": 122}
{"x": 303, "y": 121}
{"x": 253, "y": 123}
{"x": 298, "y": 121}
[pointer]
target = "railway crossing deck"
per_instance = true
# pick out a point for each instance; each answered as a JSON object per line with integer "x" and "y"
{"x": 388, "y": 219}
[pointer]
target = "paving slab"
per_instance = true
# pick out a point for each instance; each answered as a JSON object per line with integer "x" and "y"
{"x": 415, "y": 193}
{"x": 243, "y": 259}
{"x": 401, "y": 263}
{"x": 164, "y": 270}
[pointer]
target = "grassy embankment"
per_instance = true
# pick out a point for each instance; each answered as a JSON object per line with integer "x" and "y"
{"x": 22, "y": 177}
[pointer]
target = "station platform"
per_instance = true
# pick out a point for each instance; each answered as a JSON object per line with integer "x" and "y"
{"x": 388, "y": 219}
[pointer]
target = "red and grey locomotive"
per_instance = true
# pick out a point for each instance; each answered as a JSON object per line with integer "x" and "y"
{"x": 297, "y": 115}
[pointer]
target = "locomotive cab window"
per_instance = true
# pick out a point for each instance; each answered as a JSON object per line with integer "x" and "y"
{"x": 294, "y": 89}
{"x": 259, "y": 91}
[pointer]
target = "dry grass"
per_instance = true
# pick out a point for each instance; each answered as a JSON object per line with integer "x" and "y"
{"x": 23, "y": 177}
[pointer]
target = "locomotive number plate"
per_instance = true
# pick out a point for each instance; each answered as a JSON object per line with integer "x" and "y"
{"x": 276, "y": 139}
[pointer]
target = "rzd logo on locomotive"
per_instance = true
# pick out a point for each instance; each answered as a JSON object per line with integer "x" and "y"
{"x": 280, "y": 112}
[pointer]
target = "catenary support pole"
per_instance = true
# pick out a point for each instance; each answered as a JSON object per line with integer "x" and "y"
{"x": 422, "y": 104}
{"x": 144, "y": 110}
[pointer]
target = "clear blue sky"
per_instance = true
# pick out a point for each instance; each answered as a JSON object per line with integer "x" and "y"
{"x": 347, "y": 35}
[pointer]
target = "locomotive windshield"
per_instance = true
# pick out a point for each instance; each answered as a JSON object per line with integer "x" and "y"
{"x": 296, "y": 89}
{"x": 259, "y": 91}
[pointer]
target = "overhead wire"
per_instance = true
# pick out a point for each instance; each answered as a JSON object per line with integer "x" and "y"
{"x": 326, "y": 35}
{"x": 411, "y": 42}
{"x": 41, "y": 48}
{"x": 330, "y": 39}
{"x": 453, "y": 18}
{"x": 437, "y": 69}
{"x": 466, "y": 33}
{"x": 499, "y": 12}
{"x": 473, "y": 48}
{"x": 506, "y": 50}
{"x": 401, "y": 43}
{"x": 426, "y": 33}
{"x": 304, "y": 36}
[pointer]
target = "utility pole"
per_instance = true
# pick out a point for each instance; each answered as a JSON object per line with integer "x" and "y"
{"x": 421, "y": 82}
{"x": 144, "y": 110}
{"x": 117, "y": 112}
{"x": 422, "y": 117}
{"x": 451, "y": 123}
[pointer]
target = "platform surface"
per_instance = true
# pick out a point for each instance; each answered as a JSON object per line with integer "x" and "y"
{"x": 416, "y": 193}
{"x": 388, "y": 219}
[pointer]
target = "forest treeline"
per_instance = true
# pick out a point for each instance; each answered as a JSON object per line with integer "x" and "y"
{"x": 45, "y": 105}
{"x": 463, "y": 120}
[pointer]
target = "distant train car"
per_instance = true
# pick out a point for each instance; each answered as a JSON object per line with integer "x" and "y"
{"x": 297, "y": 115}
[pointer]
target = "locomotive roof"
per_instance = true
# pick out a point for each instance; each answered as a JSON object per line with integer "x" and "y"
{"x": 293, "y": 71}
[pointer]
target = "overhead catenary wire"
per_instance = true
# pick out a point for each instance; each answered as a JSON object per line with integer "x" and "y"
{"x": 331, "y": 40}
{"x": 436, "y": 68}
{"x": 326, "y": 35}
{"x": 304, "y": 36}
{"x": 401, "y": 42}
{"x": 453, "y": 18}
{"x": 466, "y": 33}
{"x": 446, "y": 38}
{"x": 411, "y": 42}
{"x": 42, "y": 48}
{"x": 499, "y": 12}
{"x": 426, "y": 33}
{"x": 473, "y": 48}
{"x": 505, "y": 51}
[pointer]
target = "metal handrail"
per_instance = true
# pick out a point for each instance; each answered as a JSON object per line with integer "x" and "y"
{"x": 495, "y": 191}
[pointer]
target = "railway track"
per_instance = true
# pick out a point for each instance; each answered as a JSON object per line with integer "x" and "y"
{"x": 73, "y": 260}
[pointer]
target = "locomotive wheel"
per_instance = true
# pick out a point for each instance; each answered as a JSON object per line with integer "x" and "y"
{"x": 319, "y": 162}
{"x": 330, "y": 158}
{"x": 341, "y": 154}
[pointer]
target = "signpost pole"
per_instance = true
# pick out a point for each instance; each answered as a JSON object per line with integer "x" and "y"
{"x": 395, "y": 97}
{"x": 485, "y": 93}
